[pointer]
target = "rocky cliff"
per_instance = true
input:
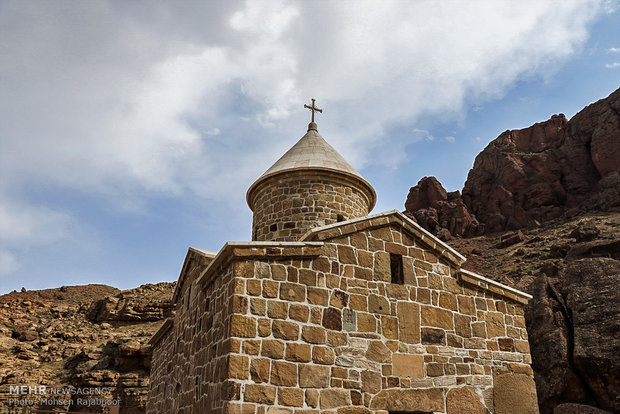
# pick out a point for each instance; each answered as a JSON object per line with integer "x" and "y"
{"x": 528, "y": 176}
{"x": 539, "y": 211}
{"x": 81, "y": 337}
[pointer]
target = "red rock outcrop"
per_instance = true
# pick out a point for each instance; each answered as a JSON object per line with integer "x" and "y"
{"x": 436, "y": 209}
{"x": 527, "y": 176}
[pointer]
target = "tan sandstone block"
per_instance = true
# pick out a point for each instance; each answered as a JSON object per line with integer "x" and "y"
{"x": 318, "y": 296}
{"x": 313, "y": 334}
{"x": 409, "y": 366}
{"x": 313, "y": 376}
{"x": 409, "y": 322}
{"x": 298, "y": 352}
{"x": 312, "y": 398}
{"x": 238, "y": 366}
{"x": 346, "y": 255}
{"x": 382, "y": 270}
{"x": 389, "y": 327}
{"x": 437, "y": 317}
{"x": 366, "y": 322}
{"x": 299, "y": 312}
{"x": 378, "y": 352}
{"x": 285, "y": 330}
{"x": 277, "y": 310}
{"x": 242, "y": 326}
{"x": 292, "y": 292}
{"x": 333, "y": 398}
{"x": 464, "y": 400}
{"x": 292, "y": 397}
{"x": 323, "y": 355}
{"x": 272, "y": 348}
{"x": 495, "y": 324}
{"x": 262, "y": 394}
{"x": 259, "y": 369}
{"x": 283, "y": 373}
{"x": 467, "y": 305}
{"x": 378, "y": 304}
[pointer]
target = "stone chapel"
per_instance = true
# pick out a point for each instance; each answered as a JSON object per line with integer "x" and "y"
{"x": 331, "y": 310}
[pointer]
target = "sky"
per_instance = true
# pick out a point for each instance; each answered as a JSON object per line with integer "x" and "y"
{"x": 130, "y": 131}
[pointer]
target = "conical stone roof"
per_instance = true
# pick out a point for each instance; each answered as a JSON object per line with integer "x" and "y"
{"x": 312, "y": 152}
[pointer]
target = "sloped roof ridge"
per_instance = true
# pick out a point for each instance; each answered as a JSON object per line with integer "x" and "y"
{"x": 426, "y": 236}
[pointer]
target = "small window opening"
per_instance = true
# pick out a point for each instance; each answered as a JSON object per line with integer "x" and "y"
{"x": 339, "y": 218}
{"x": 273, "y": 227}
{"x": 396, "y": 268}
{"x": 197, "y": 388}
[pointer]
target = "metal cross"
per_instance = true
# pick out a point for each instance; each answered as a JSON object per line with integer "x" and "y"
{"x": 313, "y": 108}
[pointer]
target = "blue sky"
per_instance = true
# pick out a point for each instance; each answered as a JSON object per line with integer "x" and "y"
{"x": 130, "y": 131}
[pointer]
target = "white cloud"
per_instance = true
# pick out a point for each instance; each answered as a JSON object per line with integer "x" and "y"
{"x": 614, "y": 50}
{"x": 121, "y": 98}
{"x": 612, "y": 65}
{"x": 450, "y": 139}
{"x": 422, "y": 135}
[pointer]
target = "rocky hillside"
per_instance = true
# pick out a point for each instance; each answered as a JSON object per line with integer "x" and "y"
{"x": 540, "y": 211}
{"x": 81, "y": 337}
{"x": 525, "y": 177}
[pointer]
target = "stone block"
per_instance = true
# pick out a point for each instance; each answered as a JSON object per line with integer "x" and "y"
{"x": 262, "y": 394}
{"x": 292, "y": 397}
{"x": 283, "y": 373}
{"x": 389, "y": 327}
{"x": 272, "y": 348}
{"x": 312, "y": 398}
{"x": 382, "y": 270}
{"x": 298, "y": 352}
{"x": 238, "y": 366}
{"x": 346, "y": 255}
{"x": 253, "y": 287}
{"x": 264, "y": 327}
{"x": 332, "y": 319}
{"x": 409, "y": 400}
{"x": 408, "y": 366}
{"x": 313, "y": 376}
{"x": 333, "y": 398}
{"x": 378, "y": 352}
{"x": 299, "y": 312}
{"x": 258, "y": 306}
{"x": 371, "y": 381}
{"x": 447, "y": 301}
{"x": 313, "y": 334}
{"x": 323, "y": 355}
{"x": 495, "y": 324}
{"x": 270, "y": 289}
{"x": 467, "y": 305}
{"x": 285, "y": 330}
{"x": 433, "y": 336}
{"x": 259, "y": 369}
{"x": 292, "y": 292}
{"x": 464, "y": 400}
{"x": 408, "y": 322}
{"x": 318, "y": 296}
{"x": 242, "y": 326}
{"x": 378, "y": 304}
{"x": 366, "y": 322}
{"x": 514, "y": 393}
{"x": 277, "y": 310}
{"x": 462, "y": 325}
{"x": 436, "y": 317}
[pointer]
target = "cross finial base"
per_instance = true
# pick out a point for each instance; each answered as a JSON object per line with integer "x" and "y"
{"x": 312, "y": 126}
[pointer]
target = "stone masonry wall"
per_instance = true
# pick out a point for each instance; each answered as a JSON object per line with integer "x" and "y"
{"x": 286, "y": 207}
{"x": 333, "y": 334}
{"x": 189, "y": 364}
